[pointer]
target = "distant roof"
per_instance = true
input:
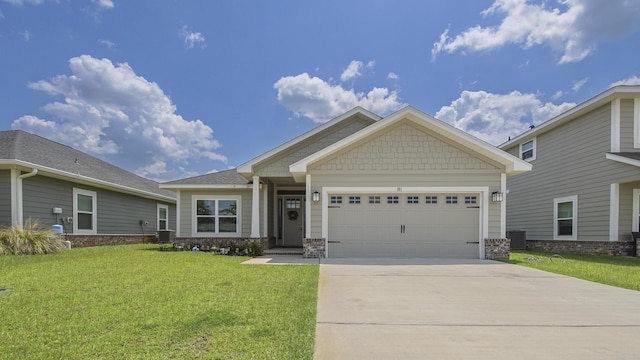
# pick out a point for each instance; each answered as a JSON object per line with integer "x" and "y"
{"x": 228, "y": 178}
{"x": 21, "y": 148}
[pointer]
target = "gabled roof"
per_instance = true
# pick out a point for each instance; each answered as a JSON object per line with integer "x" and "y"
{"x": 513, "y": 164}
{"x": 247, "y": 167}
{"x": 616, "y": 92}
{"x": 222, "y": 179}
{"x": 28, "y": 151}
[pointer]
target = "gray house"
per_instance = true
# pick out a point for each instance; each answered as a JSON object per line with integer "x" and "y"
{"x": 583, "y": 194}
{"x": 359, "y": 185}
{"x": 96, "y": 202}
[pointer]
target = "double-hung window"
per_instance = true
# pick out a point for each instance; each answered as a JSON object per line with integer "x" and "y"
{"x": 565, "y": 212}
{"x": 163, "y": 217}
{"x": 216, "y": 215}
{"x": 528, "y": 150}
{"x": 85, "y": 212}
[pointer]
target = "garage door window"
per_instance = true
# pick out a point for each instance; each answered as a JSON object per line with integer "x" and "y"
{"x": 354, "y": 199}
{"x": 392, "y": 199}
{"x": 374, "y": 199}
{"x": 470, "y": 199}
{"x": 413, "y": 200}
{"x": 336, "y": 199}
{"x": 431, "y": 199}
{"x": 452, "y": 200}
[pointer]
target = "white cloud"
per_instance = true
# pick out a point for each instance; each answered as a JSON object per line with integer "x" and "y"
{"x": 496, "y": 117}
{"x": 191, "y": 38}
{"x": 108, "y": 43}
{"x": 107, "y": 4}
{"x": 577, "y": 85}
{"x": 634, "y": 80}
{"x": 352, "y": 71}
{"x": 110, "y": 111}
{"x": 321, "y": 101}
{"x": 392, "y": 76}
{"x": 23, "y": 2}
{"x": 573, "y": 28}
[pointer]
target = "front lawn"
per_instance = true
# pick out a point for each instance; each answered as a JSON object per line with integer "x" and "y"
{"x": 617, "y": 271}
{"x": 134, "y": 302}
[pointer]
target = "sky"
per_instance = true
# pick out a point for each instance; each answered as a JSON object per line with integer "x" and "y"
{"x": 169, "y": 89}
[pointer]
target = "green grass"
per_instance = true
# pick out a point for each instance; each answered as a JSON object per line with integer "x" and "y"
{"x": 617, "y": 271}
{"x": 134, "y": 302}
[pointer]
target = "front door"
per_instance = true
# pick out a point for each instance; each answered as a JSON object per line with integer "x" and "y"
{"x": 293, "y": 221}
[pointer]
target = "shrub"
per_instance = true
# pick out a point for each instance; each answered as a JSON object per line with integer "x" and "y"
{"x": 29, "y": 239}
{"x": 254, "y": 249}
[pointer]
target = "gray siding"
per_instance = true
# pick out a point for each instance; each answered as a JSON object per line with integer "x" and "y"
{"x": 570, "y": 160}
{"x": 117, "y": 213}
{"x": 5, "y": 197}
{"x": 186, "y": 209}
{"x": 279, "y": 166}
{"x": 626, "y": 125}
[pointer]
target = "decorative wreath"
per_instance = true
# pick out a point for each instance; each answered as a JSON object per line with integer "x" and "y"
{"x": 293, "y": 215}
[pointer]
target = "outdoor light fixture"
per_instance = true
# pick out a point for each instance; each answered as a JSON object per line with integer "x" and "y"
{"x": 497, "y": 196}
{"x": 315, "y": 196}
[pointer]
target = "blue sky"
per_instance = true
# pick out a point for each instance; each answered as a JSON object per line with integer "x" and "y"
{"x": 169, "y": 89}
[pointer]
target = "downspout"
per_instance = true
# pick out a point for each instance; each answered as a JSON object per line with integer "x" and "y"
{"x": 33, "y": 172}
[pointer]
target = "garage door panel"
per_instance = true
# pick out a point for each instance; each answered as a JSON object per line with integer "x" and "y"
{"x": 405, "y": 229}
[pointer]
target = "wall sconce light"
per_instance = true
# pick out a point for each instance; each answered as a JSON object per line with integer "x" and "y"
{"x": 497, "y": 196}
{"x": 315, "y": 196}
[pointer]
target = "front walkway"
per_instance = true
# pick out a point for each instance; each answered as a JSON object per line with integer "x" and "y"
{"x": 448, "y": 309}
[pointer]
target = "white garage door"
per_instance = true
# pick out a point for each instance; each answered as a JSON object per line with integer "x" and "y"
{"x": 407, "y": 225}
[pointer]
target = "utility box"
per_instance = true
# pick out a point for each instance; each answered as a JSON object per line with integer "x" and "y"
{"x": 166, "y": 236}
{"x": 518, "y": 239}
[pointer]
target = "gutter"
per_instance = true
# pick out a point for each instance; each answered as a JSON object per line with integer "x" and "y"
{"x": 19, "y": 200}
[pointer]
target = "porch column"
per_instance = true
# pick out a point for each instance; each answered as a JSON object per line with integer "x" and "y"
{"x": 614, "y": 209}
{"x": 255, "y": 208}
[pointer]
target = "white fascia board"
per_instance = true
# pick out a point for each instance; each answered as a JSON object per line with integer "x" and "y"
{"x": 622, "y": 159}
{"x": 580, "y": 109}
{"x": 512, "y": 163}
{"x": 88, "y": 180}
{"x": 205, "y": 186}
{"x": 247, "y": 167}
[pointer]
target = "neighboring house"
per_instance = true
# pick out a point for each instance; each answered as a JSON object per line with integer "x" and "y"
{"x": 359, "y": 185}
{"x": 583, "y": 193}
{"x": 56, "y": 184}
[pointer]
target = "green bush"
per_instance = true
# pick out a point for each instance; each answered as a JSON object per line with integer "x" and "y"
{"x": 29, "y": 239}
{"x": 254, "y": 249}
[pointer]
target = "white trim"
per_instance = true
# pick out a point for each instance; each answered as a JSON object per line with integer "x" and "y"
{"x": 513, "y": 164}
{"x": 635, "y": 223}
{"x": 636, "y": 123}
{"x": 534, "y": 149}
{"x": 623, "y": 159}
{"x": 217, "y": 233}
{"x": 247, "y": 168}
{"x": 206, "y": 186}
{"x": 265, "y": 210}
{"x": 85, "y": 180}
{"x": 615, "y": 125}
{"x": 483, "y": 232}
{"x": 574, "y": 230}
{"x": 166, "y": 207}
{"x": 503, "y": 206}
{"x": 614, "y": 206}
{"x": 14, "y": 197}
{"x": 94, "y": 212}
{"x": 309, "y": 199}
{"x": 178, "y": 211}
{"x": 20, "y": 194}
{"x": 255, "y": 208}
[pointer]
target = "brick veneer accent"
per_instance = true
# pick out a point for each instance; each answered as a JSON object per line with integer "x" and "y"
{"x": 495, "y": 249}
{"x": 101, "y": 240}
{"x": 619, "y": 248}
{"x": 313, "y": 248}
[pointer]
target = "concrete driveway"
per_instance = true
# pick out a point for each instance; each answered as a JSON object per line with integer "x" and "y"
{"x": 448, "y": 309}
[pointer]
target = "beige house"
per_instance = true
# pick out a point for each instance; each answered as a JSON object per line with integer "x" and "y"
{"x": 406, "y": 185}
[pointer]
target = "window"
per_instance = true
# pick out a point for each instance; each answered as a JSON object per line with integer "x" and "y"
{"x": 565, "y": 212}
{"x": 528, "y": 150}
{"x": 336, "y": 199}
{"x": 374, "y": 199}
{"x": 431, "y": 199}
{"x": 470, "y": 199}
{"x": 452, "y": 200}
{"x": 354, "y": 199}
{"x": 218, "y": 215}
{"x": 293, "y": 203}
{"x": 85, "y": 215}
{"x": 392, "y": 199}
{"x": 413, "y": 200}
{"x": 163, "y": 217}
